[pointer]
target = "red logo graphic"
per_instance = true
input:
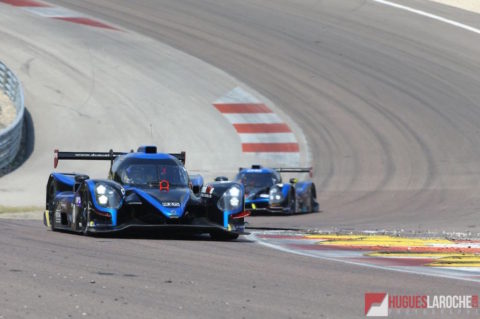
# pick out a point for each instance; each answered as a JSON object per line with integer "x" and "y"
{"x": 376, "y": 304}
{"x": 164, "y": 185}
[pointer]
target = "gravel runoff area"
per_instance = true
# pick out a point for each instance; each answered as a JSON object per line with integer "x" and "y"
{"x": 7, "y": 111}
{"x": 470, "y": 5}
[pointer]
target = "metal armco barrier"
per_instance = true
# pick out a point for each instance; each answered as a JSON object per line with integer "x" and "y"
{"x": 11, "y": 136}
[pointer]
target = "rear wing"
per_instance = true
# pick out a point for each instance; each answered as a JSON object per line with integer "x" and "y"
{"x": 182, "y": 156}
{"x": 85, "y": 156}
{"x": 285, "y": 169}
{"x": 99, "y": 156}
{"x": 308, "y": 170}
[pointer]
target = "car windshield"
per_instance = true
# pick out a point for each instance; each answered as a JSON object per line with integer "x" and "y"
{"x": 256, "y": 180}
{"x": 151, "y": 175}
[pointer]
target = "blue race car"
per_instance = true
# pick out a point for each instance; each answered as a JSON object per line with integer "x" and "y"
{"x": 144, "y": 190}
{"x": 265, "y": 192}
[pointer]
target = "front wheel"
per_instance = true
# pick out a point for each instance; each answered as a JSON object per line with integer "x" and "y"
{"x": 292, "y": 204}
{"x": 310, "y": 204}
{"x": 83, "y": 218}
{"x": 51, "y": 214}
{"x": 84, "y": 221}
{"x": 48, "y": 218}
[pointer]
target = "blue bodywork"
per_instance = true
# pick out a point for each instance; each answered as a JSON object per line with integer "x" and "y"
{"x": 265, "y": 192}
{"x": 76, "y": 202}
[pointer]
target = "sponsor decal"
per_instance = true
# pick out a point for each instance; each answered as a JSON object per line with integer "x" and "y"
{"x": 58, "y": 217}
{"x": 382, "y": 304}
{"x": 207, "y": 191}
{"x": 170, "y": 204}
{"x": 78, "y": 201}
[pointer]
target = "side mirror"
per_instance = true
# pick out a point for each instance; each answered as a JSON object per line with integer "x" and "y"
{"x": 293, "y": 180}
{"x": 196, "y": 183}
{"x": 79, "y": 179}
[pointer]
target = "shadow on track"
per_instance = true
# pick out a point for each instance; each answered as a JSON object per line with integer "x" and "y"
{"x": 152, "y": 235}
{"x": 263, "y": 214}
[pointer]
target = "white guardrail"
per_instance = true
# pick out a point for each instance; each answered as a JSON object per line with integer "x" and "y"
{"x": 11, "y": 136}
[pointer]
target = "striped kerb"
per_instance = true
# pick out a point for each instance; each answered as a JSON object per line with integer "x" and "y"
{"x": 25, "y": 3}
{"x": 260, "y": 130}
{"x": 54, "y": 12}
{"x": 86, "y": 21}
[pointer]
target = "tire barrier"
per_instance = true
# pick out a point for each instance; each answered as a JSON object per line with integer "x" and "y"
{"x": 11, "y": 136}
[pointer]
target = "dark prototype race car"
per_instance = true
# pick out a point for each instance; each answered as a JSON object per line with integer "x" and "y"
{"x": 265, "y": 192}
{"x": 144, "y": 190}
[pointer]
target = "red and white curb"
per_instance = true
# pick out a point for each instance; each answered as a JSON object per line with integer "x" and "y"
{"x": 49, "y": 11}
{"x": 259, "y": 128}
{"x": 299, "y": 243}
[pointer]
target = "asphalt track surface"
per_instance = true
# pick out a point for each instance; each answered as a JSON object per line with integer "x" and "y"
{"x": 388, "y": 101}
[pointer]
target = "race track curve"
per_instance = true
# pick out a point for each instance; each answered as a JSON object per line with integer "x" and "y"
{"x": 388, "y": 101}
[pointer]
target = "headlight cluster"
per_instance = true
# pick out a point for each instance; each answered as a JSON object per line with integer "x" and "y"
{"x": 276, "y": 195}
{"x": 107, "y": 195}
{"x": 231, "y": 200}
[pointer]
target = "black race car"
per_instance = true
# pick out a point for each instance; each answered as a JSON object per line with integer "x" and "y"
{"x": 265, "y": 192}
{"x": 144, "y": 190}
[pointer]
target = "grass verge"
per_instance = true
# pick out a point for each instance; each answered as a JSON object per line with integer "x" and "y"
{"x": 20, "y": 209}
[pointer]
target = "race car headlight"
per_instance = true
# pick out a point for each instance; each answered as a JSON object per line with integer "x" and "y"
{"x": 108, "y": 196}
{"x": 103, "y": 200}
{"x": 231, "y": 200}
{"x": 276, "y": 195}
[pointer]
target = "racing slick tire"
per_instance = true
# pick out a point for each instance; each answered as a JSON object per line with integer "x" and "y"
{"x": 83, "y": 218}
{"x": 50, "y": 222}
{"x": 310, "y": 205}
{"x": 292, "y": 203}
{"x": 51, "y": 208}
{"x": 313, "y": 196}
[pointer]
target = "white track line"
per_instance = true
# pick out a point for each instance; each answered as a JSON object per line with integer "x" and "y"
{"x": 53, "y": 12}
{"x": 268, "y": 138}
{"x": 429, "y": 15}
{"x": 244, "y": 118}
